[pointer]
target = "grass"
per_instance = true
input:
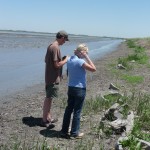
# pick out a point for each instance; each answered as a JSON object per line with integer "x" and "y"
{"x": 138, "y": 55}
{"x": 140, "y": 58}
{"x": 131, "y": 44}
{"x": 132, "y": 79}
{"x": 141, "y": 104}
{"x": 39, "y": 145}
{"x": 131, "y": 143}
{"x": 92, "y": 106}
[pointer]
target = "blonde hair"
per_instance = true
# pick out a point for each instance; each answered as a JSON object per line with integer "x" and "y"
{"x": 82, "y": 47}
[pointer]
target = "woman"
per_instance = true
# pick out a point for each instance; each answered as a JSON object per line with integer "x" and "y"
{"x": 77, "y": 66}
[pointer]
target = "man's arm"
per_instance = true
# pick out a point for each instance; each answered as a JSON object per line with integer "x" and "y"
{"x": 59, "y": 64}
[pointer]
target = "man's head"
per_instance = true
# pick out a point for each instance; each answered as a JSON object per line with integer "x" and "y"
{"x": 62, "y": 34}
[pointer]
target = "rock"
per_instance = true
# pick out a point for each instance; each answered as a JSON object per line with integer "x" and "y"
{"x": 119, "y": 123}
{"x": 130, "y": 120}
{"x": 116, "y": 118}
{"x": 117, "y": 114}
{"x": 120, "y": 66}
{"x": 132, "y": 61}
{"x": 113, "y": 87}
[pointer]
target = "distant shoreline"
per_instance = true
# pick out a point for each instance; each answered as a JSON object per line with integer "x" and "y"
{"x": 52, "y": 34}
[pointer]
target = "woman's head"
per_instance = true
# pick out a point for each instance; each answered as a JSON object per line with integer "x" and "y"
{"x": 82, "y": 47}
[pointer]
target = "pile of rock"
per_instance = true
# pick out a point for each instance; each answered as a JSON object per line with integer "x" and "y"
{"x": 119, "y": 118}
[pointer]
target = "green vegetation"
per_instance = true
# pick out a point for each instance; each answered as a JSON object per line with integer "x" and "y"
{"x": 131, "y": 43}
{"x": 17, "y": 145}
{"x": 140, "y": 58}
{"x": 131, "y": 143}
{"x": 123, "y": 61}
{"x": 139, "y": 54}
{"x": 132, "y": 79}
{"x": 138, "y": 102}
{"x": 112, "y": 97}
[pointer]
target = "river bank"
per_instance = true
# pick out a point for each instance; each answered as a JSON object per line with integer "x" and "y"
{"x": 20, "y": 113}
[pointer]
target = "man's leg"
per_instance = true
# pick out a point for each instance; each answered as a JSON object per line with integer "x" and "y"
{"x": 46, "y": 109}
{"x": 51, "y": 92}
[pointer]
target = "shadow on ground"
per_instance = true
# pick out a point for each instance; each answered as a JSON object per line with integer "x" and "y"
{"x": 47, "y": 132}
{"x": 32, "y": 122}
{"x": 50, "y": 133}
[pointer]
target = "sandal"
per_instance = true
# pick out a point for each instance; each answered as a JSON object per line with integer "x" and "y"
{"x": 53, "y": 120}
{"x": 47, "y": 124}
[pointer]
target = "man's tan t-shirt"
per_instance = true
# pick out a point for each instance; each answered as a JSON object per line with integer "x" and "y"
{"x": 52, "y": 74}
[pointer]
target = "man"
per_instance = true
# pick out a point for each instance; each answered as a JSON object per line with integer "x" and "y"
{"x": 53, "y": 70}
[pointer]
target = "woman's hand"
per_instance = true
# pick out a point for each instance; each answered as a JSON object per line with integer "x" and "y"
{"x": 83, "y": 54}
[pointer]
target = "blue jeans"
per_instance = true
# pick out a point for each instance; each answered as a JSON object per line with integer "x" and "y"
{"x": 76, "y": 98}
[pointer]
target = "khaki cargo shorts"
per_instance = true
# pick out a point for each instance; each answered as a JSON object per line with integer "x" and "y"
{"x": 52, "y": 90}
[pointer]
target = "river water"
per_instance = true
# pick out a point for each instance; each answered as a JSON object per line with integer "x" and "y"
{"x": 22, "y": 56}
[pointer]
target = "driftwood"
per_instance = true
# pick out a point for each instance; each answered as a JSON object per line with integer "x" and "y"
{"x": 113, "y": 87}
{"x": 120, "y": 66}
{"x": 145, "y": 145}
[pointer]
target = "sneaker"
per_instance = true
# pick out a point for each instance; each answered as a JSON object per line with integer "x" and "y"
{"x": 69, "y": 130}
{"x": 79, "y": 136}
{"x": 64, "y": 135}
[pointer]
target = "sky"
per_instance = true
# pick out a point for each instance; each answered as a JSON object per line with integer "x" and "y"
{"x": 112, "y": 18}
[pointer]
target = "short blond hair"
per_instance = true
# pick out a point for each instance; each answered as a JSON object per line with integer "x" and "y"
{"x": 82, "y": 47}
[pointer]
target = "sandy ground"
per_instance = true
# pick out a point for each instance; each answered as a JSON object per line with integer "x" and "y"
{"x": 21, "y": 113}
